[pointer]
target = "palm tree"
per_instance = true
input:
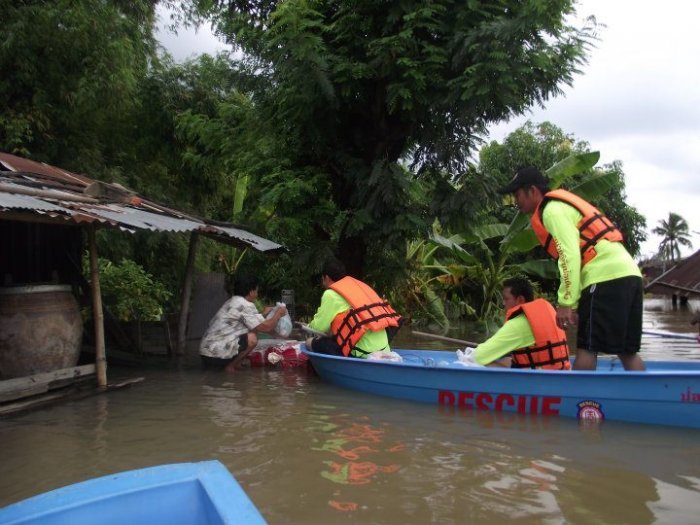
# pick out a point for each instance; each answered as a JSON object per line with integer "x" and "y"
{"x": 675, "y": 233}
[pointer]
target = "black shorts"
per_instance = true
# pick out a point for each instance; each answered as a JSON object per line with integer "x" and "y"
{"x": 220, "y": 362}
{"x": 610, "y": 316}
{"x": 325, "y": 345}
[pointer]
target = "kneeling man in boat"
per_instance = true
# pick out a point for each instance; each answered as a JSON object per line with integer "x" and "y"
{"x": 358, "y": 321}
{"x": 530, "y": 337}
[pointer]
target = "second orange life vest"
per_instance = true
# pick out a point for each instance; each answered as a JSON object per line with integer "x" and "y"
{"x": 592, "y": 227}
{"x": 550, "y": 350}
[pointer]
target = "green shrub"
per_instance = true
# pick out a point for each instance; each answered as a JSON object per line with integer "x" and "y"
{"x": 131, "y": 293}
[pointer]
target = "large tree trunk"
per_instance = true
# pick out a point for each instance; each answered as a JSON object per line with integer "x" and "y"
{"x": 353, "y": 252}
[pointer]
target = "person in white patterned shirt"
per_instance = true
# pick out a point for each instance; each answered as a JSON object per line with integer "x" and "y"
{"x": 232, "y": 332}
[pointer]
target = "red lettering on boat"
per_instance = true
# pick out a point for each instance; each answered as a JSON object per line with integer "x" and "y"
{"x": 521, "y": 404}
{"x": 533, "y": 405}
{"x": 483, "y": 401}
{"x": 465, "y": 399}
{"x": 546, "y": 405}
{"x": 547, "y": 408}
{"x": 690, "y": 397}
{"x": 445, "y": 397}
{"x": 502, "y": 399}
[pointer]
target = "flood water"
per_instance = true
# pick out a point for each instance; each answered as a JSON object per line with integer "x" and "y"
{"x": 311, "y": 453}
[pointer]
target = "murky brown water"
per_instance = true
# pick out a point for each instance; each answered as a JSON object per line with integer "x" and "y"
{"x": 307, "y": 452}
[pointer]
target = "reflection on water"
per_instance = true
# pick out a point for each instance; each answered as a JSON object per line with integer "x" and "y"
{"x": 307, "y": 452}
{"x": 660, "y": 315}
{"x": 355, "y": 448}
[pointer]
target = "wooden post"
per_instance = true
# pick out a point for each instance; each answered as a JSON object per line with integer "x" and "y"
{"x": 185, "y": 298}
{"x": 100, "y": 355}
{"x": 443, "y": 338}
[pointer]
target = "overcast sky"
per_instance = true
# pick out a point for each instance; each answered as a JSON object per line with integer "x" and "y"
{"x": 637, "y": 101}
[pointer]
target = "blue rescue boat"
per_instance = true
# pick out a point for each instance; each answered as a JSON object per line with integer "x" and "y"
{"x": 202, "y": 493}
{"x": 667, "y": 393}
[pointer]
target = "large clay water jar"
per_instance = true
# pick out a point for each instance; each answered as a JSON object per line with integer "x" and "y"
{"x": 40, "y": 330}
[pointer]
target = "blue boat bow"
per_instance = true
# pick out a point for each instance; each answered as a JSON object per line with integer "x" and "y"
{"x": 202, "y": 493}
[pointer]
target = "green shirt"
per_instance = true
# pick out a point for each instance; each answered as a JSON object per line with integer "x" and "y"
{"x": 611, "y": 262}
{"x": 515, "y": 333}
{"x": 332, "y": 303}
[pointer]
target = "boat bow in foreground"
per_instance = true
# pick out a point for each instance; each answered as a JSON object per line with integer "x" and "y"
{"x": 202, "y": 493}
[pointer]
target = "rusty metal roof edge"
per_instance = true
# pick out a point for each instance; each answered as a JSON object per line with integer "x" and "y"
{"x": 681, "y": 274}
{"x": 67, "y": 202}
{"x": 651, "y": 288}
{"x": 251, "y": 239}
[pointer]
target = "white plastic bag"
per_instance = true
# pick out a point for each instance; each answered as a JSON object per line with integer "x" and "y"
{"x": 384, "y": 355}
{"x": 466, "y": 357}
{"x": 284, "y": 324}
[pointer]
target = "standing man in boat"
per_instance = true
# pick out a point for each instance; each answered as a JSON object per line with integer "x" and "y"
{"x": 354, "y": 315}
{"x": 530, "y": 337}
{"x": 233, "y": 331}
{"x": 600, "y": 284}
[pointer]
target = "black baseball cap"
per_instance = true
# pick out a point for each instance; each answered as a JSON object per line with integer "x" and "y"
{"x": 529, "y": 176}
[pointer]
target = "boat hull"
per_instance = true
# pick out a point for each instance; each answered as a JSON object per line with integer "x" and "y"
{"x": 668, "y": 393}
{"x": 179, "y": 494}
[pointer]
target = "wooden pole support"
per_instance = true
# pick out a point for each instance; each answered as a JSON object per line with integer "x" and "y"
{"x": 186, "y": 294}
{"x": 98, "y": 315}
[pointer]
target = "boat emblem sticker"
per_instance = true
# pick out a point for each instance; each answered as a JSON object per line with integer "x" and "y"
{"x": 590, "y": 411}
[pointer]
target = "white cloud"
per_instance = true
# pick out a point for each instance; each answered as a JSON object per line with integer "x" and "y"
{"x": 186, "y": 43}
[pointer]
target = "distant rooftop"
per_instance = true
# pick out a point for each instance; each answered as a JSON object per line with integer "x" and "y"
{"x": 681, "y": 279}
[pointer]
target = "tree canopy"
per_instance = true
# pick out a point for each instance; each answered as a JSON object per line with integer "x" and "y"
{"x": 544, "y": 144}
{"x": 70, "y": 73}
{"x": 368, "y": 94}
{"x": 345, "y": 128}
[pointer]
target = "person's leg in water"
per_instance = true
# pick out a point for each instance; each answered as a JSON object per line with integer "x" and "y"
{"x": 251, "y": 340}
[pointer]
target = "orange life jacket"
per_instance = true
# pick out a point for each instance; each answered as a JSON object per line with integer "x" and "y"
{"x": 367, "y": 311}
{"x": 550, "y": 350}
{"x": 592, "y": 227}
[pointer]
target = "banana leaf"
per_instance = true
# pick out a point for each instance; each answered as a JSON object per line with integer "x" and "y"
{"x": 572, "y": 165}
{"x": 517, "y": 225}
{"x": 239, "y": 196}
{"x": 595, "y": 185}
{"x": 544, "y": 268}
{"x": 489, "y": 231}
{"x": 435, "y": 308}
{"x": 523, "y": 241}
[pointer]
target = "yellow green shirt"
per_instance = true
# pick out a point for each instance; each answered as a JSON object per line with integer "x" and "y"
{"x": 515, "y": 333}
{"x": 612, "y": 261}
{"x": 332, "y": 303}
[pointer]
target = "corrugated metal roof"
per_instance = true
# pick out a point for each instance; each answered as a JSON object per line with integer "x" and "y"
{"x": 10, "y": 201}
{"x": 141, "y": 219}
{"x": 39, "y": 189}
{"x": 682, "y": 279}
{"x": 15, "y": 163}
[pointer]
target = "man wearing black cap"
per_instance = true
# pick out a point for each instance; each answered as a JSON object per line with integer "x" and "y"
{"x": 600, "y": 284}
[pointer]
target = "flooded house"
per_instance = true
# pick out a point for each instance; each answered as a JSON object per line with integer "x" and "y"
{"x": 48, "y": 218}
{"x": 681, "y": 281}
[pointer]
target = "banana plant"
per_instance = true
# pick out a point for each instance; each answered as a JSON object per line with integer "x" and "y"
{"x": 419, "y": 292}
{"x": 480, "y": 263}
{"x": 231, "y": 260}
{"x": 520, "y": 236}
{"x": 482, "y": 257}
